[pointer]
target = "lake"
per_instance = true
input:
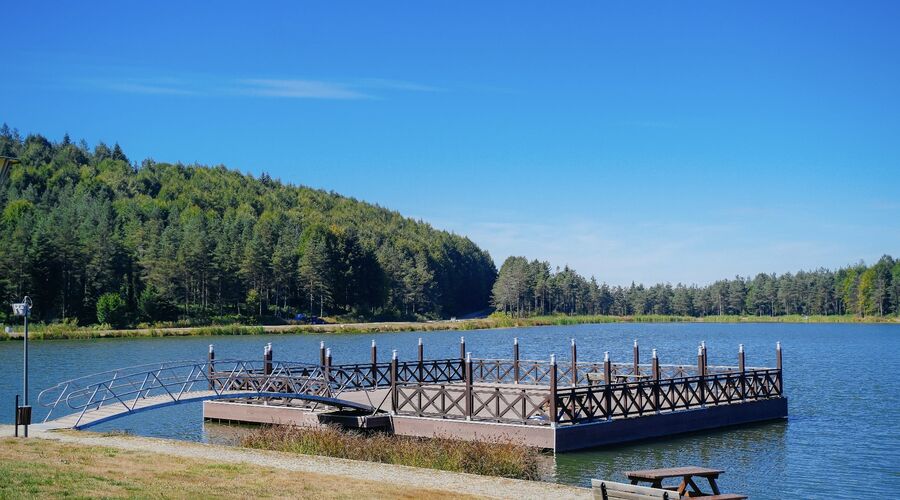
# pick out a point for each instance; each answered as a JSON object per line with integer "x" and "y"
{"x": 842, "y": 436}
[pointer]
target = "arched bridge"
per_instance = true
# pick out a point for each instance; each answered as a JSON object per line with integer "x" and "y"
{"x": 97, "y": 398}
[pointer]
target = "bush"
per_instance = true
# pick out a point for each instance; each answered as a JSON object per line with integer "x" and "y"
{"x": 111, "y": 309}
{"x": 491, "y": 458}
{"x": 154, "y": 307}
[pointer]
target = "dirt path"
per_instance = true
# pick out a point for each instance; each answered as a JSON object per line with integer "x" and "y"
{"x": 451, "y": 482}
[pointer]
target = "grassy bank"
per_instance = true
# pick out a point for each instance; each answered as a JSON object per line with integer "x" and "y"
{"x": 39, "y": 468}
{"x": 495, "y": 458}
{"x": 66, "y": 331}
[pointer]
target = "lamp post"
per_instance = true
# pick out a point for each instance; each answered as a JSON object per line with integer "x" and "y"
{"x": 23, "y": 413}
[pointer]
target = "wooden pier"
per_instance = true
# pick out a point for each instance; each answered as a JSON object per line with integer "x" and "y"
{"x": 559, "y": 405}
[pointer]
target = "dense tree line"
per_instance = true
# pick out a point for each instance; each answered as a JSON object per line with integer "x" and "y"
{"x": 530, "y": 287}
{"x": 163, "y": 241}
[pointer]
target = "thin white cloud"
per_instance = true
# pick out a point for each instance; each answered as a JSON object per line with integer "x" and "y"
{"x": 141, "y": 87}
{"x": 304, "y": 89}
{"x": 285, "y": 88}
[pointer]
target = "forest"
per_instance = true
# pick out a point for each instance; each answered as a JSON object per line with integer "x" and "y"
{"x": 526, "y": 288}
{"x": 93, "y": 237}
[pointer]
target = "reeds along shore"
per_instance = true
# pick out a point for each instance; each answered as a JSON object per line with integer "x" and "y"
{"x": 69, "y": 331}
{"x": 491, "y": 458}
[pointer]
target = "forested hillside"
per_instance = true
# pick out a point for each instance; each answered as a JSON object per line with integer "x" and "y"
{"x": 527, "y": 288}
{"x": 158, "y": 241}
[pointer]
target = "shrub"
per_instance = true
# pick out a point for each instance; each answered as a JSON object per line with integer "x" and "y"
{"x": 492, "y": 458}
{"x": 111, "y": 309}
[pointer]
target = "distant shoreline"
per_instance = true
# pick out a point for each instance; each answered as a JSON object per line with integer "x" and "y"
{"x": 58, "y": 332}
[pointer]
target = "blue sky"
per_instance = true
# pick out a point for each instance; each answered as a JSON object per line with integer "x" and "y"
{"x": 653, "y": 142}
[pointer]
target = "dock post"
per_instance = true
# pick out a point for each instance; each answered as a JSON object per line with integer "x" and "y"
{"x": 778, "y": 365}
{"x": 607, "y": 377}
{"x": 742, "y": 369}
{"x": 701, "y": 370}
{"x": 421, "y": 360}
{"x": 705, "y": 359}
{"x": 655, "y": 369}
{"x": 394, "y": 398}
{"x": 637, "y": 358}
{"x": 574, "y": 364}
{"x": 468, "y": 376}
{"x": 516, "y": 359}
{"x": 462, "y": 349}
{"x": 327, "y": 367}
{"x": 267, "y": 359}
{"x": 554, "y": 417}
{"x": 322, "y": 353}
{"x": 211, "y": 368}
{"x": 374, "y": 364}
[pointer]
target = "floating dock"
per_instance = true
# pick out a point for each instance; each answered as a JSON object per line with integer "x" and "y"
{"x": 558, "y": 405}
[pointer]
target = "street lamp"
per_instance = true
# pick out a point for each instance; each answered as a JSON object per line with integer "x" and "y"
{"x": 23, "y": 413}
{"x": 6, "y": 164}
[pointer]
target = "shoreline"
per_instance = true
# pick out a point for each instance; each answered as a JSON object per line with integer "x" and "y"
{"x": 55, "y": 332}
{"x": 392, "y": 480}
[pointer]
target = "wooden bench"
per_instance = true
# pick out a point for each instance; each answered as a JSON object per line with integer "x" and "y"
{"x": 608, "y": 490}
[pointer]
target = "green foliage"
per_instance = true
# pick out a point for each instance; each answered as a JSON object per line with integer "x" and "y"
{"x": 197, "y": 242}
{"x": 111, "y": 310}
{"x": 526, "y": 288}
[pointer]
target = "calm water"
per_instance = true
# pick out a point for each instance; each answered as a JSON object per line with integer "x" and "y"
{"x": 843, "y": 434}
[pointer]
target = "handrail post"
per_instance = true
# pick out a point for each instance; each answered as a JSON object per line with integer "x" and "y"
{"x": 374, "y": 364}
{"x": 742, "y": 368}
{"x": 327, "y": 364}
{"x": 394, "y": 388}
{"x": 322, "y": 353}
{"x": 419, "y": 367}
{"x": 637, "y": 358}
{"x": 574, "y": 364}
{"x": 655, "y": 381}
{"x": 211, "y": 367}
{"x": 701, "y": 384}
{"x": 554, "y": 417}
{"x": 462, "y": 356}
{"x": 16, "y": 417}
{"x": 607, "y": 378}
{"x": 468, "y": 376}
{"x": 778, "y": 366}
{"x": 705, "y": 359}
{"x": 516, "y": 359}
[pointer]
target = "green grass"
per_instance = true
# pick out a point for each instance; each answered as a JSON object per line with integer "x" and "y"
{"x": 490, "y": 458}
{"x": 72, "y": 331}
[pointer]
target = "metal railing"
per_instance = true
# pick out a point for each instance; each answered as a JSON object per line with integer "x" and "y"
{"x": 173, "y": 382}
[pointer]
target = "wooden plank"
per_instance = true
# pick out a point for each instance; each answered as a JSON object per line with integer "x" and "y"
{"x": 622, "y": 491}
{"x": 654, "y": 474}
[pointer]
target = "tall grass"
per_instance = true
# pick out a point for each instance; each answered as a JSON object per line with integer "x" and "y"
{"x": 490, "y": 458}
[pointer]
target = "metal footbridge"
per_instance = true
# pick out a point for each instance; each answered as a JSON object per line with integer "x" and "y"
{"x": 93, "y": 399}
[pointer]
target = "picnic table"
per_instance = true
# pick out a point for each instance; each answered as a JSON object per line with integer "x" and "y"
{"x": 687, "y": 474}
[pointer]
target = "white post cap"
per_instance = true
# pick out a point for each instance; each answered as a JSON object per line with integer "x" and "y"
{"x": 516, "y": 340}
{"x": 394, "y": 354}
{"x": 469, "y": 357}
{"x": 420, "y": 340}
{"x": 211, "y": 348}
{"x": 654, "y": 354}
{"x": 553, "y": 359}
{"x": 606, "y": 356}
{"x": 328, "y": 352}
{"x": 778, "y": 345}
{"x": 635, "y": 342}
{"x": 373, "y": 342}
{"x": 322, "y": 345}
{"x": 740, "y": 347}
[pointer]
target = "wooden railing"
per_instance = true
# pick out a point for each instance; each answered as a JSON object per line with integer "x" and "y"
{"x": 634, "y": 399}
{"x": 535, "y": 404}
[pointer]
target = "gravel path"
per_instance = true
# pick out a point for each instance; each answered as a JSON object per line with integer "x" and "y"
{"x": 491, "y": 487}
